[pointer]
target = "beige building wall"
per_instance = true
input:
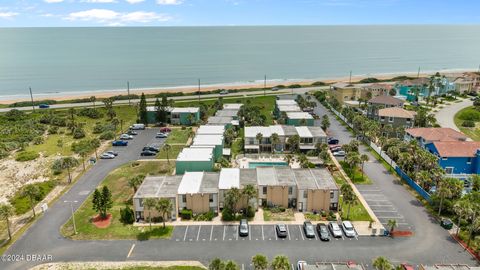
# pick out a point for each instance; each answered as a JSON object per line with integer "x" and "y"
{"x": 198, "y": 203}
{"x": 278, "y": 195}
{"x": 318, "y": 200}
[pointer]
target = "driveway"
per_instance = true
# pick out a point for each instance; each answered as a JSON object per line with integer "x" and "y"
{"x": 446, "y": 114}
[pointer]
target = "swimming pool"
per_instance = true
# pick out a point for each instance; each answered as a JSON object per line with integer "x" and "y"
{"x": 266, "y": 164}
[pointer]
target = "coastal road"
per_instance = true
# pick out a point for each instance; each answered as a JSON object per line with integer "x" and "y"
{"x": 430, "y": 244}
{"x": 178, "y": 98}
{"x": 446, "y": 115}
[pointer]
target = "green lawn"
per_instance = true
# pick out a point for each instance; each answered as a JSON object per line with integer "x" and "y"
{"x": 22, "y": 203}
{"x": 122, "y": 195}
{"x": 474, "y": 243}
{"x": 288, "y": 215}
{"x": 3, "y": 231}
{"x": 179, "y": 135}
{"x": 172, "y": 153}
{"x": 357, "y": 211}
{"x": 356, "y": 174}
{"x": 473, "y": 133}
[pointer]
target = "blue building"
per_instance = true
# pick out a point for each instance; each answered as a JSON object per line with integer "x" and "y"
{"x": 457, "y": 157}
{"x": 409, "y": 88}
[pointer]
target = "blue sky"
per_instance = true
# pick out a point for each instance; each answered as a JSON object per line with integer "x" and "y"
{"x": 28, "y": 13}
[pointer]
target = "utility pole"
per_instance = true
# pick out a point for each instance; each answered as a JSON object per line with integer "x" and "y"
{"x": 128, "y": 91}
{"x": 31, "y": 97}
{"x": 73, "y": 215}
{"x": 418, "y": 73}
{"x": 350, "y": 80}
{"x": 265, "y": 85}
{"x": 198, "y": 92}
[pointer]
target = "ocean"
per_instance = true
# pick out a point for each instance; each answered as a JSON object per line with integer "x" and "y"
{"x": 61, "y": 61}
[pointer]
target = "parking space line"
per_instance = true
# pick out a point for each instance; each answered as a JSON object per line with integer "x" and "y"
{"x": 131, "y": 250}
{"x": 198, "y": 234}
{"x": 288, "y": 231}
{"x": 249, "y": 233}
{"x": 376, "y": 200}
{"x": 275, "y": 232}
{"x": 263, "y": 236}
{"x": 301, "y": 233}
{"x": 211, "y": 233}
{"x": 385, "y": 211}
{"x": 236, "y": 232}
{"x": 224, "y": 228}
{"x": 185, "y": 236}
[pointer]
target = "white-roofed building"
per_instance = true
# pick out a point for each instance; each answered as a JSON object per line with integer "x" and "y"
{"x": 195, "y": 159}
{"x": 215, "y": 141}
{"x": 299, "y": 119}
{"x": 210, "y": 130}
{"x": 198, "y": 191}
{"x": 232, "y": 106}
{"x": 285, "y": 105}
{"x": 309, "y": 137}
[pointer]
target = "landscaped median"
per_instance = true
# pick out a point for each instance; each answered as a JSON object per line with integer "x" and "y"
{"x": 130, "y": 265}
{"x": 113, "y": 228}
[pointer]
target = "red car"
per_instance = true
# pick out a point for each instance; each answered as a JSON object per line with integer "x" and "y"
{"x": 165, "y": 130}
{"x": 407, "y": 266}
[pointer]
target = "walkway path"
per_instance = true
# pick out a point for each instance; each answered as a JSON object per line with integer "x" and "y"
{"x": 446, "y": 114}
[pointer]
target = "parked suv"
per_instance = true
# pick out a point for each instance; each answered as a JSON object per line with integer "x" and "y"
{"x": 243, "y": 228}
{"x": 281, "y": 230}
{"x": 323, "y": 232}
{"x": 335, "y": 230}
{"x": 348, "y": 229}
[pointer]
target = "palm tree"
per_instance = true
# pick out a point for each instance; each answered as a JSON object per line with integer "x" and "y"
{"x": 293, "y": 143}
{"x": 232, "y": 197}
{"x": 274, "y": 140}
{"x": 259, "y": 138}
{"x": 136, "y": 181}
{"x": 348, "y": 196}
{"x": 250, "y": 192}
{"x": 32, "y": 192}
{"x": 260, "y": 262}
{"x": 231, "y": 265}
{"x": 280, "y": 262}
{"x": 461, "y": 208}
{"x": 216, "y": 264}
{"x": 424, "y": 179}
{"x": 392, "y": 224}
{"x": 164, "y": 206}
{"x": 95, "y": 144}
{"x": 363, "y": 158}
{"x": 6, "y": 211}
{"x": 150, "y": 204}
{"x": 167, "y": 148}
{"x": 93, "y": 99}
{"x": 289, "y": 158}
{"x": 352, "y": 159}
{"x": 381, "y": 263}
{"x": 325, "y": 122}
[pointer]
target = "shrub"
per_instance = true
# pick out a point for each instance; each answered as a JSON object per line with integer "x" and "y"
{"x": 58, "y": 121}
{"x": 98, "y": 128}
{"x": 468, "y": 123}
{"x": 26, "y": 156}
{"x": 109, "y": 135}
{"x": 186, "y": 214}
{"x": 227, "y": 214}
{"x": 369, "y": 80}
{"x": 319, "y": 84}
{"x": 78, "y": 133}
{"x": 53, "y": 130}
{"x": 90, "y": 113}
{"x": 250, "y": 212}
{"x": 471, "y": 115}
{"x": 126, "y": 215}
{"x": 38, "y": 140}
{"x": 295, "y": 86}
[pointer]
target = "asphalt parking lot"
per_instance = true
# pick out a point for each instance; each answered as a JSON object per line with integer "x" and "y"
{"x": 134, "y": 147}
{"x": 226, "y": 233}
{"x": 383, "y": 207}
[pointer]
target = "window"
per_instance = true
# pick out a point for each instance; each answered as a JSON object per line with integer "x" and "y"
{"x": 140, "y": 202}
{"x": 332, "y": 194}
{"x": 390, "y": 119}
{"x": 444, "y": 158}
{"x": 469, "y": 160}
{"x": 305, "y": 194}
{"x": 184, "y": 198}
{"x": 264, "y": 190}
{"x": 210, "y": 198}
{"x": 290, "y": 190}
{"x": 382, "y": 118}
{"x": 449, "y": 170}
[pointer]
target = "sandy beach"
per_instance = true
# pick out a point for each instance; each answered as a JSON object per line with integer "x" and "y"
{"x": 192, "y": 89}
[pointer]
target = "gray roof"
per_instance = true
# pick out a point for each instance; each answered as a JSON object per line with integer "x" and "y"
{"x": 227, "y": 113}
{"x": 219, "y": 120}
{"x": 285, "y": 176}
{"x": 317, "y": 131}
{"x": 209, "y": 182}
{"x": 275, "y": 176}
{"x": 314, "y": 179}
{"x": 248, "y": 176}
{"x": 286, "y": 97}
{"x": 159, "y": 187}
{"x": 289, "y": 130}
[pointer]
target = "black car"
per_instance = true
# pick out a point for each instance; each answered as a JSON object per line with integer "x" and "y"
{"x": 151, "y": 149}
{"x": 309, "y": 230}
{"x": 148, "y": 153}
{"x": 333, "y": 141}
{"x": 323, "y": 232}
{"x": 243, "y": 228}
{"x": 281, "y": 230}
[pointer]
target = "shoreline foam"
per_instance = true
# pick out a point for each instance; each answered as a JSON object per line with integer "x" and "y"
{"x": 62, "y": 96}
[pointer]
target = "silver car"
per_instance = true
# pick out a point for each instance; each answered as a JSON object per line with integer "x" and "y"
{"x": 107, "y": 156}
{"x": 348, "y": 229}
{"x": 335, "y": 230}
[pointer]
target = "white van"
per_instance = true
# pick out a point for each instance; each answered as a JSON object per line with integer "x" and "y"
{"x": 138, "y": 127}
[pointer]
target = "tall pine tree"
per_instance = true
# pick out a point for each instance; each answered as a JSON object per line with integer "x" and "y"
{"x": 142, "y": 109}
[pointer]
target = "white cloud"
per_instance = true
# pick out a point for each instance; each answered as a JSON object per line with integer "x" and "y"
{"x": 169, "y": 2}
{"x": 113, "y": 18}
{"x": 99, "y": 1}
{"x": 134, "y": 1}
{"x": 7, "y": 15}
{"x": 53, "y": 1}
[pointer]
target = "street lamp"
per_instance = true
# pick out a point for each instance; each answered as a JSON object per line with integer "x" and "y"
{"x": 73, "y": 215}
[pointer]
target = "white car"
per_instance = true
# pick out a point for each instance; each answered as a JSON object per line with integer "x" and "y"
{"x": 301, "y": 265}
{"x": 161, "y": 135}
{"x": 126, "y": 137}
{"x": 348, "y": 229}
{"x": 339, "y": 153}
{"x": 107, "y": 156}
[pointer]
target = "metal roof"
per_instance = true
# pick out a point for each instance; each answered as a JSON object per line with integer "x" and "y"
{"x": 185, "y": 110}
{"x": 232, "y": 106}
{"x": 304, "y": 132}
{"x": 219, "y": 120}
{"x": 229, "y": 177}
{"x": 299, "y": 115}
{"x": 196, "y": 154}
{"x": 209, "y": 182}
{"x": 210, "y": 130}
{"x": 226, "y": 113}
{"x": 317, "y": 132}
{"x": 159, "y": 187}
{"x": 208, "y": 140}
{"x": 191, "y": 182}
{"x": 289, "y": 108}
{"x": 280, "y": 102}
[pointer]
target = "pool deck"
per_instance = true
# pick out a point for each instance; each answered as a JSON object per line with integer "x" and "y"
{"x": 244, "y": 163}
